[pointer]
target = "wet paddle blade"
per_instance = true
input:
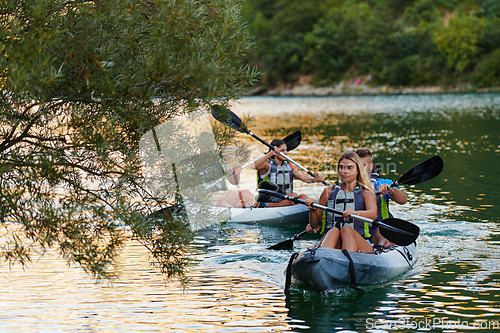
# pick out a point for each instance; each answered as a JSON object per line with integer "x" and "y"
{"x": 293, "y": 140}
{"x": 398, "y": 231}
{"x": 424, "y": 171}
{"x": 288, "y": 244}
{"x": 228, "y": 118}
{"x": 285, "y": 245}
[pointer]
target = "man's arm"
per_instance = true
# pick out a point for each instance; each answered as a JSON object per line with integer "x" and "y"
{"x": 396, "y": 194}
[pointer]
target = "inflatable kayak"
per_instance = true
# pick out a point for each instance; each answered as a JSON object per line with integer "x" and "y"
{"x": 201, "y": 217}
{"x": 286, "y": 215}
{"x": 326, "y": 269}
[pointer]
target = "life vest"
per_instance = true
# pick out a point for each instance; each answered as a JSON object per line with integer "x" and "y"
{"x": 281, "y": 175}
{"x": 341, "y": 200}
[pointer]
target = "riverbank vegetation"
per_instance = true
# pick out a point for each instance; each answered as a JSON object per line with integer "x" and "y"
{"x": 81, "y": 83}
{"x": 376, "y": 42}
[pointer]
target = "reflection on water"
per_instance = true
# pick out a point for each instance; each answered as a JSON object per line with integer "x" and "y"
{"x": 236, "y": 284}
{"x": 50, "y": 296}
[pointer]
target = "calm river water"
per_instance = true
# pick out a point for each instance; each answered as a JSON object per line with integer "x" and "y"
{"x": 236, "y": 285}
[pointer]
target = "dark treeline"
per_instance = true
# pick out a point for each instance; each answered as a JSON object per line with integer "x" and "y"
{"x": 395, "y": 42}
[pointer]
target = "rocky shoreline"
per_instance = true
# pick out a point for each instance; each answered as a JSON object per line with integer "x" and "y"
{"x": 344, "y": 88}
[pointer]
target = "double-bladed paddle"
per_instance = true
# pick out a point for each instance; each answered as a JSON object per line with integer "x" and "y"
{"x": 396, "y": 230}
{"x": 230, "y": 119}
{"x": 420, "y": 173}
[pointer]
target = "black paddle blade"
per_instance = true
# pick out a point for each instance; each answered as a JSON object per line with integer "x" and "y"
{"x": 422, "y": 172}
{"x": 293, "y": 140}
{"x": 288, "y": 244}
{"x": 227, "y": 117}
{"x": 265, "y": 185}
{"x": 285, "y": 245}
{"x": 264, "y": 195}
{"x": 398, "y": 231}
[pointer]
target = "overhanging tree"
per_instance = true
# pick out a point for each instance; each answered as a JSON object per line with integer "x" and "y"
{"x": 81, "y": 82}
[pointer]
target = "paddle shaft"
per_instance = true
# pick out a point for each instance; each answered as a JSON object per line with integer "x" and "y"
{"x": 398, "y": 182}
{"x": 295, "y": 138}
{"x": 289, "y": 159}
{"x": 299, "y": 235}
{"x": 247, "y": 164}
{"x": 356, "y": 217}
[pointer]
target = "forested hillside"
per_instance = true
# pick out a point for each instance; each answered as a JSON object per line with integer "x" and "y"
{"x": 394, "y": 42}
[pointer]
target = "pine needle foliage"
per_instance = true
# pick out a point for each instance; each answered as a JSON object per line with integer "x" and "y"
{"x": 81, "y": 82}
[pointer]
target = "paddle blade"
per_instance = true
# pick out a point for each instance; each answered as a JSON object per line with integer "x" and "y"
{"x": 398, "y": 231}
{"x": 264, "y": 195}
{"x": 424, "y": 171}
{"x": 288, "y": 244}
{"x": 285, "y": 245}
{"x": 265, "y": 185}
{"x": 227, "y": 117}
{"x": 293, "y": 140}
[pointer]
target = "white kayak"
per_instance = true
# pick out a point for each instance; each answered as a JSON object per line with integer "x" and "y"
{"x": 201, "y": 217}
{"x": 327, "y": 269}
{"x": 286, "y": 215}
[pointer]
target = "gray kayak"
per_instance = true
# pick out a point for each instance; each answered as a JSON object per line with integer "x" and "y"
{"x": 327, "y": 269}
{"x": 286, "y": 215}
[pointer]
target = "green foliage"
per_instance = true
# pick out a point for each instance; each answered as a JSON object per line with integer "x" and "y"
{"x": 279, "y": 28}
{"x": 491, "y": 8}
{"x": 402, "y": 72}
{"x": 423, "y": 12}
{"x": 333, "y": 44}
{"x": 398, "y": 42}
{"x": 488, "y": 70}
{"x": 82, "y": 81}
{"x": 459, "y": 40}
{"x": 489, "y": 39}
